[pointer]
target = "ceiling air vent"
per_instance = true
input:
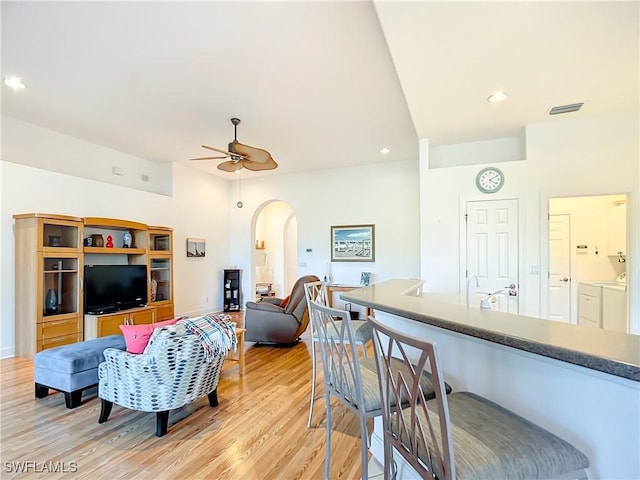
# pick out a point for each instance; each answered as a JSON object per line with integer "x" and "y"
{"x": 573, "y": 107}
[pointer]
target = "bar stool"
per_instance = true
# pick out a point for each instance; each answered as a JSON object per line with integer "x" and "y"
{"x": 348, "y": 379}
{"x": 461, "y": 435}
{"x": 317, "y": 292}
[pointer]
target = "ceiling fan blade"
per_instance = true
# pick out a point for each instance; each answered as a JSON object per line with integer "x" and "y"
{"x": 209, "y": 158}
{"x": 230, "y": 166}
{"x": 228, "y": 154}
{"x": 251, "y": 165}
{"x": 216, "y": 149}
{"x": 257, "y": 155}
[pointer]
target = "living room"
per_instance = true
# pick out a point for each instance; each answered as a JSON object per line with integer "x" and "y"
{"x": 417, "y": 209}
{"x": 416, "y": 199}
{"x": 410, "y": 241}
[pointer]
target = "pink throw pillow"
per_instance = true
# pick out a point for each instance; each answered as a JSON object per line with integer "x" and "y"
{"x": 136, "y": 337}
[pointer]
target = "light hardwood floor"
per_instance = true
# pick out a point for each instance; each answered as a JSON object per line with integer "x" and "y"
{"x": 258, "y": 431}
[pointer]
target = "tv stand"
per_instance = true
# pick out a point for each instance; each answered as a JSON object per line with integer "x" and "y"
{"x": 51, "y": 251}
{"x": 109, "y": 323}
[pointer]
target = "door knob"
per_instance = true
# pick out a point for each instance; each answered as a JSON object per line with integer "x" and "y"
{"x": 565, "y": 279}
{"x": 512, "y": 289}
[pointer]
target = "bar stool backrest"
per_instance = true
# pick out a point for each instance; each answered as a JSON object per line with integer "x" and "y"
{"x": 407, "y": 431}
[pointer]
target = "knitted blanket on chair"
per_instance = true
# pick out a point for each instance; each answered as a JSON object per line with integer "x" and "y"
{"x": 216, "y": 333}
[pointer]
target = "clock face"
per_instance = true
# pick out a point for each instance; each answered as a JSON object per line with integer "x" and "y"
{"x": 489, "y": 180}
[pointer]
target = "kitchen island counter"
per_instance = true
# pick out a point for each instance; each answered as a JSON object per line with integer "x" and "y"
{"x": 611, "y": 352}
{"x": 581, "y": 383}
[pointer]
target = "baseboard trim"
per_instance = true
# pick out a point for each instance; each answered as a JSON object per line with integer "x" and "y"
{"x": 6, "y": 352}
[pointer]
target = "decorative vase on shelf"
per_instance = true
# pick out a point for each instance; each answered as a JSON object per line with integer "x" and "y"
{"x": 51, "y": 301}
{"x": 126, "y": 239}
{"x": 97, "y": 240}
{"x": 54, "y": 240}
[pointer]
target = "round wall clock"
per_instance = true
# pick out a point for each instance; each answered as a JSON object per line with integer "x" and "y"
{"x": 489, "y": 180}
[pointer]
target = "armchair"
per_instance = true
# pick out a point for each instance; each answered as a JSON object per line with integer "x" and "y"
{"x": 268, "y": 322}
{"x": 173, "y": 371}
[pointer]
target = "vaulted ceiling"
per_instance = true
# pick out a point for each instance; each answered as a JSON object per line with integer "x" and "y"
{"x": 318, "y": 84}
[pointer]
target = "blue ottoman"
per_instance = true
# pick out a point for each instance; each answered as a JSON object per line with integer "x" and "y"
{"x": 72, "y": 368}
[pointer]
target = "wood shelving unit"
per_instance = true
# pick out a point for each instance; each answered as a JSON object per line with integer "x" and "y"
{"x": 50, "y": 256}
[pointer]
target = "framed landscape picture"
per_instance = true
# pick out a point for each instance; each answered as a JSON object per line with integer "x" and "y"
{"x": 353, "y": 243}
{"x": 196, "y": 247}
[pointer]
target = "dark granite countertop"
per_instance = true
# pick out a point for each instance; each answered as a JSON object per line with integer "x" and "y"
{"x": 611, "y": 352}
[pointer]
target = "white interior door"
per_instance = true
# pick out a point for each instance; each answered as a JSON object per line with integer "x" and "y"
{"x": 560, "y": 268}
{"x": 492, "y": 249}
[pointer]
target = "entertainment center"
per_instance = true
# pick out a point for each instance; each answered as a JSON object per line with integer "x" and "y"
{"x": 80, "y": 278}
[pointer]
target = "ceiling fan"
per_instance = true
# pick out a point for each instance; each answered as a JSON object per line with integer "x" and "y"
{"x": 240, "y": 155}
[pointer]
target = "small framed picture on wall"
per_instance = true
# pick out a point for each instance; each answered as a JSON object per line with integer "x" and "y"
{"x": 196, "y": 247}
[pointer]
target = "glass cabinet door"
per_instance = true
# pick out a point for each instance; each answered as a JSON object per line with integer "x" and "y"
{"x": 60, "y": 285}
{"x": 160, "y": 242}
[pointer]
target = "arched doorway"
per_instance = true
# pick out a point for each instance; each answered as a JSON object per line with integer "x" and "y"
{"x": 275, "y": 236}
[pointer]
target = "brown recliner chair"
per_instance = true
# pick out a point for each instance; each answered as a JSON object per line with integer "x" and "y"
{"x": 268, "y": 322}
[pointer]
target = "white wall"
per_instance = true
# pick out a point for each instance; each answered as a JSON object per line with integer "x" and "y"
{"x": 583, "y": 156}
{"x": 291, "y": 251}
{"x": 197, "y": 282}
{"x": 204, "y": 206}
{"x": 64, "y": 154}
{"x": 496, "y": 150}
{"x": 383, "y": 194}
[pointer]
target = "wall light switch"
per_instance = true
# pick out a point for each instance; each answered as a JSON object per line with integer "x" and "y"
{"x": 302, "y": 264}
{"x": 117, "y": 171}
{"x": 309, "y": 250}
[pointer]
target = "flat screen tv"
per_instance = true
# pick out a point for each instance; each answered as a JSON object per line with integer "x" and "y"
{"x": 111, "y": 288}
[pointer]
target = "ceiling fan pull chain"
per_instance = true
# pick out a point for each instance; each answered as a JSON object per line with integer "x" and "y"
{"x": 239, "y": 204}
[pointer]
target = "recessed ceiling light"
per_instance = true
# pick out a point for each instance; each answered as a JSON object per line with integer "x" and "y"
{"x": 384, "y": 150}
{"x": 15, "y": 82}
{"x": 497, "y": 97}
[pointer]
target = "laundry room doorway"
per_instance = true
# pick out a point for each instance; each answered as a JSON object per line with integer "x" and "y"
{"x": 590, "y": 247}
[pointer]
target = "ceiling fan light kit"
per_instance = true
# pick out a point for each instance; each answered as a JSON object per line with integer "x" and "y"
{"x": 241, "y": 155}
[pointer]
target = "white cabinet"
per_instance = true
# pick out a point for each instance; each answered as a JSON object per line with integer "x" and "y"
{"x": 590, "y": 305}
{"x": 614, "y": 309}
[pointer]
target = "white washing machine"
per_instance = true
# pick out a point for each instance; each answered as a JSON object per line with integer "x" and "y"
{"x": 615, "y": 315}
{"x": 603, "y": 304}
{"x": 590, "y": 304}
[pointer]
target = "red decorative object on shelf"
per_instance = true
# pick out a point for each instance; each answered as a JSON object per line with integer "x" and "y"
{"x": 109, "y": 241}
